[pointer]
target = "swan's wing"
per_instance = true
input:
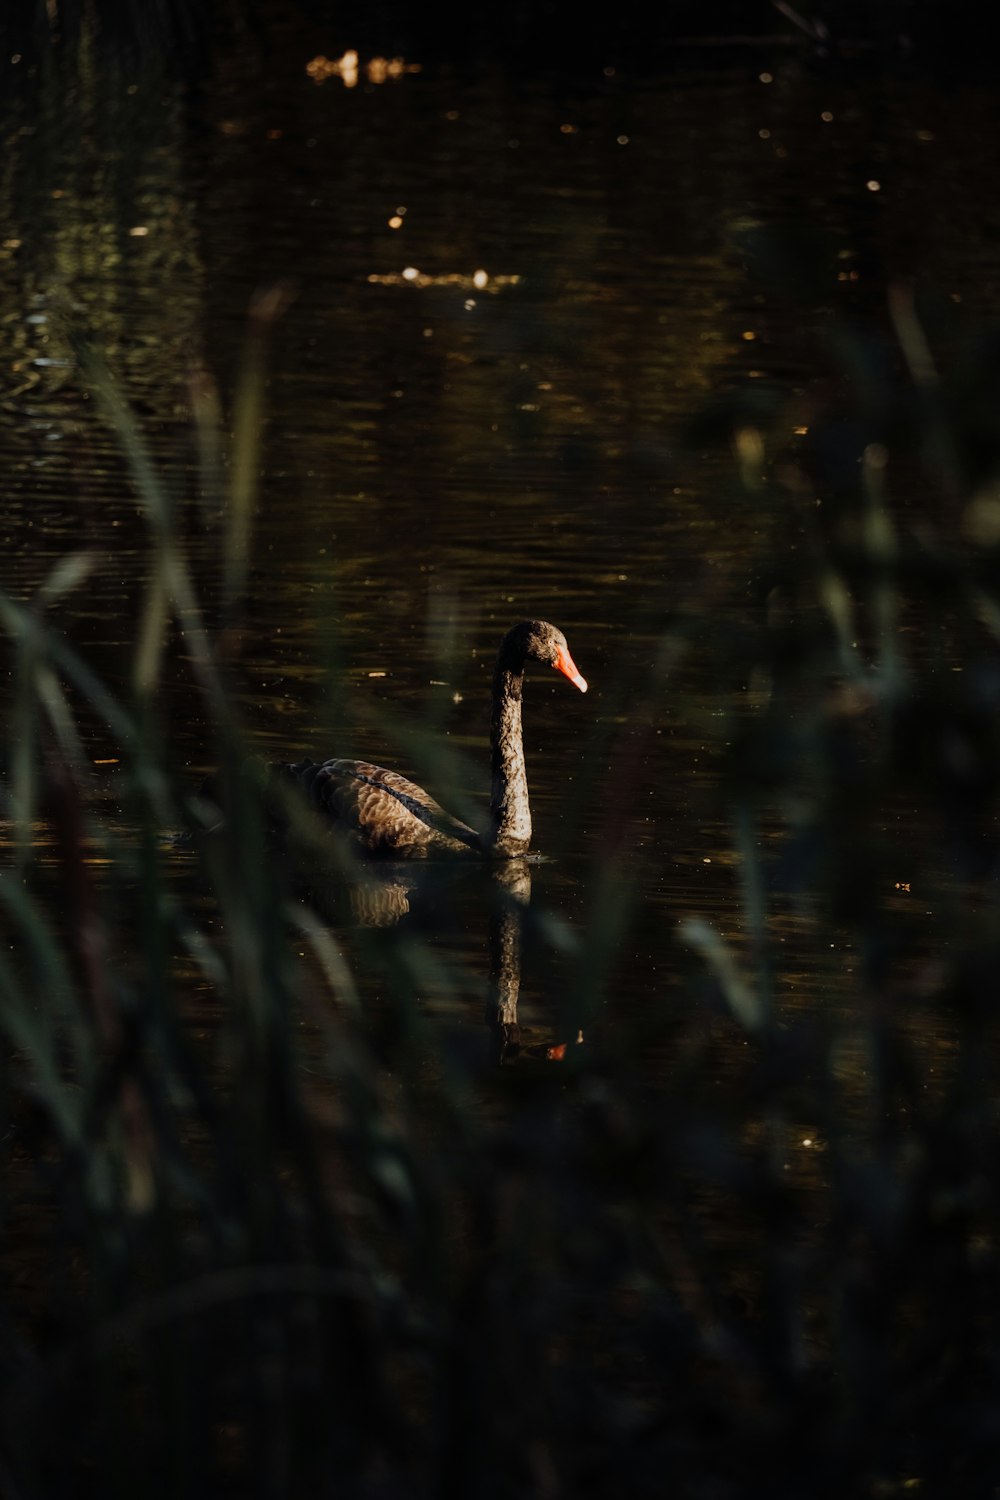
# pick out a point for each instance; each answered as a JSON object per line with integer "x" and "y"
{"x": 388, "y": 813}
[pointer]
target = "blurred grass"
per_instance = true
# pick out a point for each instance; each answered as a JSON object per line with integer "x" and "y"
{"x": 245, "y": 1263}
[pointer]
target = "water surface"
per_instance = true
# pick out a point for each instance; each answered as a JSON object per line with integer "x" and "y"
{"x": 508, "y": 303}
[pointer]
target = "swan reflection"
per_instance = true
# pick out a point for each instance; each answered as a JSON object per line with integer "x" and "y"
{"x": 434, "y": 898}
{"x": 512, "y": 896}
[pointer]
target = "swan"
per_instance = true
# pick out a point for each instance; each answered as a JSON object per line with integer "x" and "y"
{"x": 386, "y": 815}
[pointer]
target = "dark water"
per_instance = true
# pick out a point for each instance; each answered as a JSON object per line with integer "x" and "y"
{"x": 509, "y": 301}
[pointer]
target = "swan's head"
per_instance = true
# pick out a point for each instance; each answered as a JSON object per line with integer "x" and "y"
{"x": 540, "y": 641}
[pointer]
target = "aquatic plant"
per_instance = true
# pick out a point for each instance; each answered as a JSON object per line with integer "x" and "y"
{"x": 263, "y": 1238}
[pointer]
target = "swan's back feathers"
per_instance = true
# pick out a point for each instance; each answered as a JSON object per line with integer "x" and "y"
{"x": 383, "y": 811}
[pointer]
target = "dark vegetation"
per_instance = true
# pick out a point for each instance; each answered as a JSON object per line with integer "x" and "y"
{"x": 295, "y": 1244}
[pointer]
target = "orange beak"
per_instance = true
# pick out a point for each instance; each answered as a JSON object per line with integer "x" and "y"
{"x": 565, "y": 664}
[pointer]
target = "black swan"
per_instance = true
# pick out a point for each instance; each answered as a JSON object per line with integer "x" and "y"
{"x": 392, "y": 817}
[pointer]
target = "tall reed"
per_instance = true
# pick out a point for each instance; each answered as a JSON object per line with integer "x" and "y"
{"x": 240, "y": 1264}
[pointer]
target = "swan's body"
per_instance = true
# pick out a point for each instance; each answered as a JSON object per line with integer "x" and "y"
{"x": 390, "y": 816}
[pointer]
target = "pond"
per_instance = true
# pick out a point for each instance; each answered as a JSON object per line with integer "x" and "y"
{"x": 600, "y": 347}
{"x": 508, "y": 302}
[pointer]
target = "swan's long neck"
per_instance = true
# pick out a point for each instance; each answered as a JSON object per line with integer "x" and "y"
{"x": 510, "y": 815}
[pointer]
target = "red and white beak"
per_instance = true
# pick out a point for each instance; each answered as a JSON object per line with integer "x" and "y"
{"x": 565, "y": 664}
